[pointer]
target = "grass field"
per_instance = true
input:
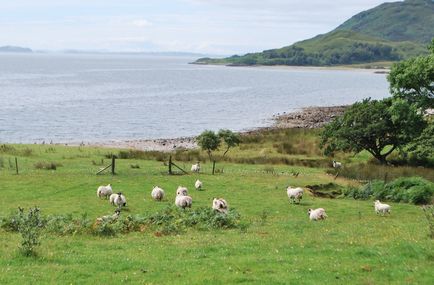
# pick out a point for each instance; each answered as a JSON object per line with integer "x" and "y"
{"x": 279, "y": 246}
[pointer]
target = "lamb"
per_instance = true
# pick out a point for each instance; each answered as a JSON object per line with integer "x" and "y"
{"x": 182, "y": 200}
{"x": 294, "y": 194}
{"x": 198, "y": 185}
{"x": 195, "y": 167}
{"x": 317, "y": 214}
{"x": 157, "y": 193}
{"x": 109, "y": 218}
{"x": 381, "y": 208}
{"x": 104, "y": 191}
{"x": 118, "y": 200}
{"x": 336, "y": 164}
{"x": 220, "y": 205}
{"x": 181, "y": 191}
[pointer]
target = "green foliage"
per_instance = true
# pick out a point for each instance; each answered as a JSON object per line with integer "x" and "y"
{"x": 415, "y": 190}
{"x": 209, "y": 141}
{"x": 230, "y": 138}
{"x": 413, "y": 79}
{"x": 421, "y": 149}
{"x": 378, "y": 127}
{"x": 172, "y": 220}
{"x": 29, "y": 226}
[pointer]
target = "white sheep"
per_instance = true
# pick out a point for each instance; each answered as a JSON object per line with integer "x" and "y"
{"x": 336, "y": 164}
{"x": 118, "y": 199}
{"x": 381, "y": 208}
{"x": 182, "y": 200}
{"x": 317, "y": 214}
{"x": 109, "y": 218}
{"x": 195, "y": 167}
{"x": 157, "y": 193}
{"x": 104, "y": 191}
{"x": 294, "y": 194}
{"x": 220, "y": 205}
{"x": 181, "y": 191}
{"x": 198, "y": 185}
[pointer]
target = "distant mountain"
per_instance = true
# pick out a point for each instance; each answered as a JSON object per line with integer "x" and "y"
{"x": 388, "y": 32}
{"x": 14, "y": 49}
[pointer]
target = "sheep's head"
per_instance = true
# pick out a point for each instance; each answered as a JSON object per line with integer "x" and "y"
{"x": 181, "y": 191}
{"x": 118, "y": 211}
{"x": 377, "y": 202}
{"x": 119, "y": 194}
{"x": 309, "y": 211}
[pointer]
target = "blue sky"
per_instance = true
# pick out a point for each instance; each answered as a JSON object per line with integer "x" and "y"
{"x": 203, "y": 26}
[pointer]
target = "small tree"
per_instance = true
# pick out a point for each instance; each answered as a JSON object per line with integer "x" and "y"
{"x": 29, "y": 227}
{"x": 230, "y": 138}
{"x": 378, "y": 127}
{"x": 413, "y": 79}
{"x": 209, "y": 141}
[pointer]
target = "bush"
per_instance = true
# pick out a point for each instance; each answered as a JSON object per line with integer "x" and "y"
{"x": 29, "y": 226}
{"x": 415, "y": 190}
{"x": 47, "y": 165}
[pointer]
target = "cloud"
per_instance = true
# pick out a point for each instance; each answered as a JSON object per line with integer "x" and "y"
{"x": 141, "y": 23}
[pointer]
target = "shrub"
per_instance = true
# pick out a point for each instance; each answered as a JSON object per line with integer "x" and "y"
{"x": 29, "y": 226}
{"x": 414, "y": 190}
{"x": 47, "y": 165}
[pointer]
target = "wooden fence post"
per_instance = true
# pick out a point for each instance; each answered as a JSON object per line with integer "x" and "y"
{"x": 213, "y": 167}
{"x": 113, "y": 164}
{"x": 170, "y": 165}
{"x": 16, "y": 165}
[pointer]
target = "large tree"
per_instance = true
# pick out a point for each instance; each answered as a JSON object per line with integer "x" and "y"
{"x": 378, "y": 127}
{"x": 413, "y": 79}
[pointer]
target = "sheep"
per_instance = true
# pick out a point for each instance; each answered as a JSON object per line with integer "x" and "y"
{"x": 336, "y": 164}
{"x": 317, "y": 214}
{"x": 109, "y": 218}
{"x": 157, "y": 193}
{"x": 181, "y": 191}
{"x": 381, "y": 208}
{"x": 118, "y": 199}
{"x": 104, "y": 191}
{"x": 220, "y": 205}
{"x": 195, "y": 167}
{"x": 198, "y": 185}
{"x": 294, "y": 194}
{"x": 182, "y": 200}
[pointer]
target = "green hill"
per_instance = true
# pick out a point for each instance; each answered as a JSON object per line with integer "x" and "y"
{"x": 411, "y": 20}
{"x": 389, "y": 32}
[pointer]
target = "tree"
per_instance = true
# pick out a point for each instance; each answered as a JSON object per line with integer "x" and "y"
{"x": 378, "y": 127}
{"x": 209, "y": 141}
{"x": 230, "y": 138}
{"x": 413, "y": 79}
{"x": 422, "y": 148}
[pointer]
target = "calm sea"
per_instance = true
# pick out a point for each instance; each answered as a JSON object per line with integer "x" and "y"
{"x": 74, "y": 98}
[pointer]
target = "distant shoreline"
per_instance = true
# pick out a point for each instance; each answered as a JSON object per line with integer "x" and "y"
{"x": 309, "y": 118}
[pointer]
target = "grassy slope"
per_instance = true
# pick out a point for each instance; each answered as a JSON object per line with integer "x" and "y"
{"x": 410, "y": 20}
{"x": 353, "y": 246}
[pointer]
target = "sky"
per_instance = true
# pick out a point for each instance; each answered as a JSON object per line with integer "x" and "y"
{"x": 201, "y": 26}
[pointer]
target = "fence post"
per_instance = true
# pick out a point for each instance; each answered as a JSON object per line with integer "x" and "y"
{"x": 213, "y": 167}
{"x": 113, "y": 165}
{"x": 170, "y": 165}
{"x": 16, "y": 165}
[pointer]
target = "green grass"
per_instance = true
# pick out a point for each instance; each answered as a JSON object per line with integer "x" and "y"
{"x": 353, "y": 246}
